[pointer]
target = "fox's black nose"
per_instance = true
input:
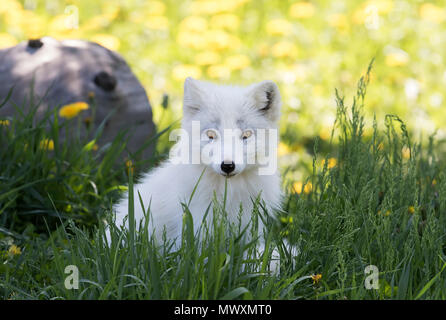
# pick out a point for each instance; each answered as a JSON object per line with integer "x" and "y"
{"x": 227, "y": 167}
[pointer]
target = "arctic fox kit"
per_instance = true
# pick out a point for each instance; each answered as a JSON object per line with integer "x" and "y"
{"x": 217, "y": 119}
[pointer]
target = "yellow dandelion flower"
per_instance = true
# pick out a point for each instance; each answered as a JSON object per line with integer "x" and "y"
{"x": 388, "y": 212}
{"x": 278, "y": 27}
{"x": 215, "y": 6}
{"x": 194, "y": 23}
{"x": 10, "y": 6}
{"x": 431, "y": 12}
{"x": 318, "y": 90}
{"x": 73, "y": 109}
{"x": 283, "y": 149}
{"x": 60, "y": 26}
{"x": 107, "y": 40}
{"x": 156, "y": 23}
{"x": 225, "y": 21}
{"x": 284, "y": 49}
{"x": 181, "y": 72}
{"x": 406, "y": 153}
{"x": 397, "y": 58}
{"x": 102, "y": 20}
{"x": 411, "y": 210}
{"x": 338, "y": 21}
{"x": 6, "y": 40}
{"x": 33, "y": 25}
{"x": 220, "y": 40}
{"x": 308, "y": 187}
{"x": 383, "y": 6}
{"x": 302, "y": 10}
{"x": 219, "y": 71}
{"x": 4, "y": 122}
{"x": 95, "y": 147}
{"x": 434, "y": 182}
{"x": 359, "y": 16}
{"x": 155, "y": 7}
{"x": 191, "y": 39}
{"x": 206, "y": 7}
{"x": 207, "y": 58}
{"x": 14, "y": 250}
{"x": 330, "y": 163}
{"x": 47, "y": 144}
{"x": 316, "y": 278}
{"x": 297, "y": 187}
{"x": 325, "y": 133}
{"x": 238, "y": 62}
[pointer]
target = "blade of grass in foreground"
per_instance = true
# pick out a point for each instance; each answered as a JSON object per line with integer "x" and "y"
{"x": 429, "y": 284}
{"x": 7, "y": 97}
{"x": 131, "y": 213}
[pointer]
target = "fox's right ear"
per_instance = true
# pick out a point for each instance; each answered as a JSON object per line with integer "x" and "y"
{"x": 193, "y": 96}
{"x": 267, "y": 97}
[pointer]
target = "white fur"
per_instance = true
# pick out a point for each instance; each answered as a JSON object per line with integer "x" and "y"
{"x": 164, "y": 188}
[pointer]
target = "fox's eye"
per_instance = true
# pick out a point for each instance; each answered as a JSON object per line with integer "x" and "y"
{"x": 246, "y": 134}
{"x": 211, "y": 134}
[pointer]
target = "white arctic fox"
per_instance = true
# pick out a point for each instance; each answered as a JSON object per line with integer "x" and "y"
{"x": 228, "y": 126}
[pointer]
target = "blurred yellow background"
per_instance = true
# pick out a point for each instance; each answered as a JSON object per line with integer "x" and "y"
{"x": 308, "y": 48}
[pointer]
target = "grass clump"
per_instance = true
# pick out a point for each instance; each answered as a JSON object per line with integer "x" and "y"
{"x": 53, "y": 170}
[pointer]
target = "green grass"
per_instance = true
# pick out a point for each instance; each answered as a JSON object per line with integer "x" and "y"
{"x": 46, "y": 176}
{"x": 382, "y": 204}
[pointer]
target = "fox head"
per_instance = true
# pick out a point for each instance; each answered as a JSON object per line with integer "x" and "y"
{"x": 234, "y": 129}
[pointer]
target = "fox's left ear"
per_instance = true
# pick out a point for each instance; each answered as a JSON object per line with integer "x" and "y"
{"x": 267, "y": 98}
{"x": 193, "y": 96}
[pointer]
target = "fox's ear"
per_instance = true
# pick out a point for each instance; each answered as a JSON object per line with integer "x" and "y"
{"x": 267, "y": 98}
{"x": 193, "y": 96}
